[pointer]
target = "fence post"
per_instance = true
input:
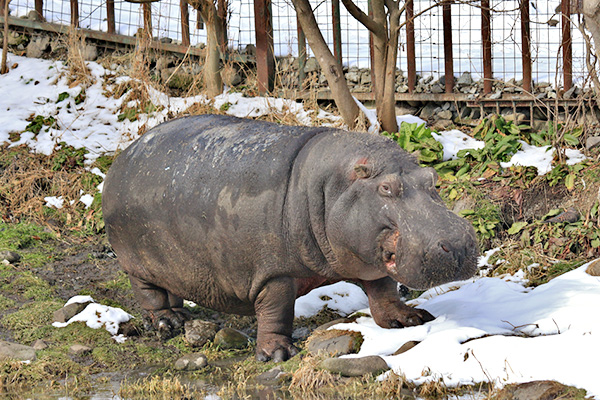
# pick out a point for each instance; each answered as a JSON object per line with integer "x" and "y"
{"x": 147, "y": 8}
{"x": 39, "y": 10}
{"x": 337, "y": 30}
{"x": 486, "y": 39}
{"x": 185, "y": 22}
{"x": 525, "y": 45}
{"x": 411, "y": 63}
{"x": 110, "y": 16}
{"x": 301, "y": 55}
{"x": 74, "y": 14}
{"x": 265, "y": 64}
{"x": 448, "y": 57}
{"x": 567, "y": 48}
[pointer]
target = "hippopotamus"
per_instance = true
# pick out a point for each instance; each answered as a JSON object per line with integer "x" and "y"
{"x": 244, "y": 216}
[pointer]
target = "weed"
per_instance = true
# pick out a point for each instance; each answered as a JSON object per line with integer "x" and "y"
{"x": 67, "y": 157}
{"x": 38, "y": 122}
{"x": 156, "y": 387}
{"x": 418, "y": 138}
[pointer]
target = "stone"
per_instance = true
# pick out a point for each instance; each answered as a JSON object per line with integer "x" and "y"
{"x": 69, "y": 311}
{"x": 445, "y": 114}
{"x": 39, "y": 345}
{"x": 594, "y": 268}
{"x": 403, "y": 110}
{"x": 198, "y": 332}
{"x": 301, "y": 333}
{"x": 79, "y": 350}
{"x": 437, "y": 88}
{"x": 536, "y": 390}
{"x": 402, "y": 88}
{"x": 365, "y": 78}
{"x": 250, "y": 50}
{"x": 552, "y": 94}
{"x": 230, "y": 76}
{"x": 334, "y": 342}
{"x": 590, "y": 143}
{"x": 515, "y": 117}
{"x": 274, "y": 376}
{"x": 495, "y": 96}
{"x": 428, "y": 111}
{"x": 311, "y": 65}
{"x": 465, "y": 79}
{"x": 442, "y": 124}
{"x": 9, "y": 256}
{"x": 406, "y": 347}
{"x": 353, "y": 76}
{"x": 370, "y": 365}
{"x": 14, "y": 39}
{"x": 16, "y": 351}
{"x": 329, "y": 324}
{"x": 229, "y": 338}
{"x": 89, "y": 52}
{"x": 191, "y": 362}
{"x": 541, "y": 96}
{"x": 37, "y": 47}
{"x": 569, "y": 93}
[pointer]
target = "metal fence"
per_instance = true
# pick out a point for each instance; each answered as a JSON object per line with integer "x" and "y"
{"x": 466, "y": 19}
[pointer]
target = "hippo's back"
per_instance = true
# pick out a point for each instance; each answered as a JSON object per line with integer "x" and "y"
{"x": 187, "y": 198}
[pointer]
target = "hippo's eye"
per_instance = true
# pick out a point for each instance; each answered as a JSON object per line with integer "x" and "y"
{"x": 385, "y": 189}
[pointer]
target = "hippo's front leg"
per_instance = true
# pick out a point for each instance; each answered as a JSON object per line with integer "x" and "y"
{"x": 388, "y": 310}
{"x": 274, "y": 308}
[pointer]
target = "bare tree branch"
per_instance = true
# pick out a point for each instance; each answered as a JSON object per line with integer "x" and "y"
{"x": 363, "y": 18}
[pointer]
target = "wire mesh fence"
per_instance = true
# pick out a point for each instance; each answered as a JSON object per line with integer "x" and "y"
{"x": 467, "y": 49}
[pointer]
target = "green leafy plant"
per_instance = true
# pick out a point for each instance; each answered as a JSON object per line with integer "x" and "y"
{"x": 418, "y": 138}
{"x": 68, "y": 157}
{"x": 38, "y": 122}
{"x": 485, "y": 220}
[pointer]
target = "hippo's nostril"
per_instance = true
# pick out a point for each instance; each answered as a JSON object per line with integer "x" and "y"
{"x": 445, "y": 247}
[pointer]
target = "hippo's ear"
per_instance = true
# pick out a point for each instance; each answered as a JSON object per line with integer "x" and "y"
{"x": 362, "y": 171}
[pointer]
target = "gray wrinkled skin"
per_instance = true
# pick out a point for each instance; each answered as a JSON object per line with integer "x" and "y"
{"x": 243, "y": 216}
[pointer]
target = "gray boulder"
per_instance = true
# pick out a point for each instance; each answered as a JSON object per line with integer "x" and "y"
{"x": 370, "y": 365}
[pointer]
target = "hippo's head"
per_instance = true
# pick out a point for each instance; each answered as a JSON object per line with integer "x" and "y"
{"x": 391, "y": 221}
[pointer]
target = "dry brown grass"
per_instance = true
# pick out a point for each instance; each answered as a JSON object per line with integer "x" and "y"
{"x": 157, "y": 387}
{"x": 308, "y": 378}
{"x": 78, "y": 73}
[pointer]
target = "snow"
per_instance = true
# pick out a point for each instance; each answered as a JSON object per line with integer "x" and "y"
{"x": 487, "y": 328}
{"x": 97, "y": 316}
{"x": 455, "y": 141}
{"x": 496, "y": 329}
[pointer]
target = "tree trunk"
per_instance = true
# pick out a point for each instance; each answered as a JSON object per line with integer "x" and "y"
{"x": 3, "y": 66}
{"x": 215, "y": 37}
{"x": 329, "y": 65}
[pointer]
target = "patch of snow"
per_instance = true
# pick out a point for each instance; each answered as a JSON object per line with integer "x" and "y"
{"x": 53, "y": 201}
{"x": 532, "y": 156}
{"x": 342, "y": 297}
{"x": 454, "y": 141}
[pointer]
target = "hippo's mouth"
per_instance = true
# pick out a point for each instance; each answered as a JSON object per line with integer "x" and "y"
{"x": 388, "y": 250}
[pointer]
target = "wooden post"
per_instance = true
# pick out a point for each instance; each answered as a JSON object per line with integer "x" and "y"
{"x": 185, "y": 22}
{"x": 222, "y": 13}
{"x": 301, "y": 55}
{"x": 337, "y": 30}
{"x": 372, "y": 53}
{"x": 39, "y": 10}
{"x": 147, "y": 18}
{"x": 486, "y": 39}
{"x": 411, "y": 62}
{"x": 525, "y": 45}
{"x": 199, "y": 20}
{"x": 110, "y": 16}
{"x": 448, "y": 58}
{"x": 265, "y": 63}
{"x": 74, "y": 14}
{"x": 567, "y": 47}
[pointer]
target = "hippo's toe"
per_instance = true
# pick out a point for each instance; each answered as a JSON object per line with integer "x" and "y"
{"x": 277, "y": 348}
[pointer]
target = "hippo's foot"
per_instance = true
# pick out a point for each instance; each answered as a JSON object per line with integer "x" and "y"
{"x": 168, "y": 323}
{"x": 274, "y": 347}
{"x": 399, "y": 315}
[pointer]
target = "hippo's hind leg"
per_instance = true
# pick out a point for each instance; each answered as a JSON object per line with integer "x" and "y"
{"x": 165, "y": 310}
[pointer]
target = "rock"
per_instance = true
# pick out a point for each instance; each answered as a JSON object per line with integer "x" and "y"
{"x": 198, "y": 332}
{"x": 515, "y": 117}
{"x": 334, "y": 342}
{"x": 465, "y": 79}
{"x": 536, "y": 390}
{"x": 437, "y": 88}
{"x": 446, "y": 114}
{"x": 594, "y": 268}
{"x": 552, "y": 94}
{"x": 402, "y": 88}
{"x": 541, "y": 96}
{"x": 274, "y": 376}
{"x": 590, "y": 143}
{"x": 9, "y": 256}
{"x": 230, "y": 76}
{"x": 442, "y": 124}
{"x": 301, "y": 333}
{"x": 329, "y": 324}
{"x": 370, "y": 365}
{"x": 14, "y": 39}
{"x": 89, "y": 52}
{"x": 403, "y": 110}
{"x": 191, "y": 362}
{"x": 69, "y": 311}
{"x": 569, "y": 93}
{"x": 39, "y": 345}
{"x": 406, "y": 347}
{"x": 311, "y": 65}
{"x": 37, "y": 47}
{"x": 16, "y": 351}
{"x": 229, "y": 338}
{"x": 250, "y": 50}
{"x": 79, "y": 350}
{"x": 365, "y": 78}
{"x": 495, "y": 96}
{"x": 428, "y": 111}
{"x": 353, "y": 75}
